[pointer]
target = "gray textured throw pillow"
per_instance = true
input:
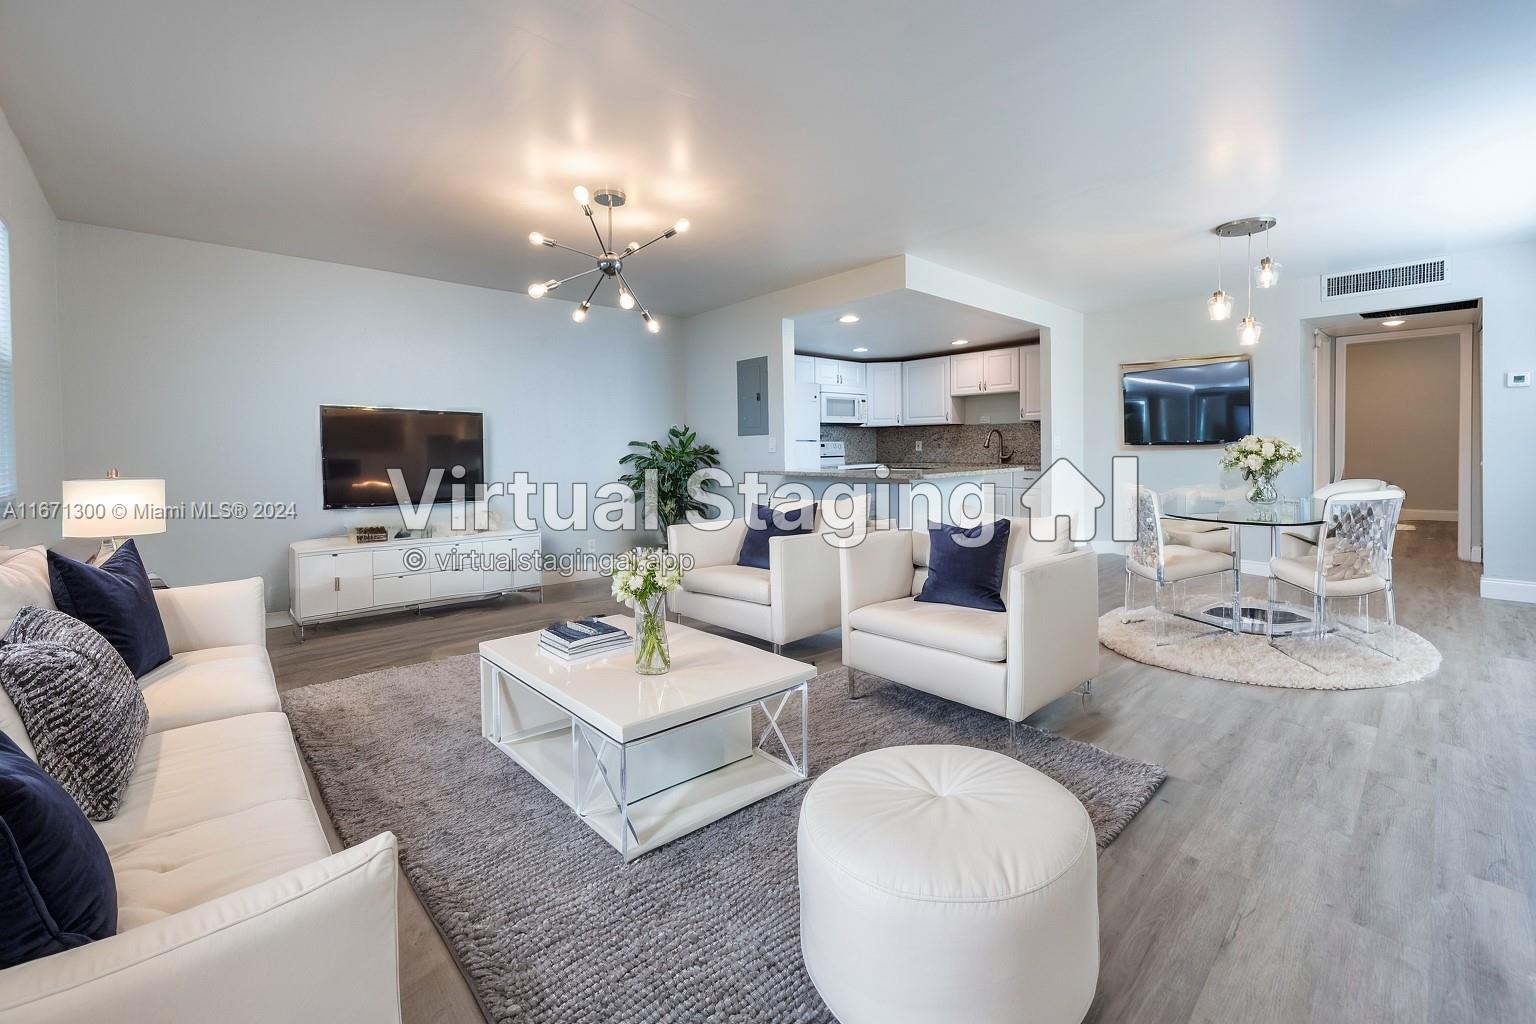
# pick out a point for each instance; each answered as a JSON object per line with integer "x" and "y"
{"x": 80, "y": 704}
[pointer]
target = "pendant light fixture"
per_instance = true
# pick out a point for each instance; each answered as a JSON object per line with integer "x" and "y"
{"x": 609, "y": 262}
{"x": 1266, "y": 272}
{"x": 1219, "y": 305}
{"x": 1250, "y": 329}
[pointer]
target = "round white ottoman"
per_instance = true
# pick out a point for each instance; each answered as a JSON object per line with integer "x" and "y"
{"x": 943, "y": 883}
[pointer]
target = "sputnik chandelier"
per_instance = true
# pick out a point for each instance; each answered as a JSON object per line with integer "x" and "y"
{"x": 610, "y": 264}
{"x": 1266, "y": 274}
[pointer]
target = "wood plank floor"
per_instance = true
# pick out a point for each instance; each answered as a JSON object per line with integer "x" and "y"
{"x": 1314, "y": 856}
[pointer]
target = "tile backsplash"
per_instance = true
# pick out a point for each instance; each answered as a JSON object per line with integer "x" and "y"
{"x": 959, "y": 443}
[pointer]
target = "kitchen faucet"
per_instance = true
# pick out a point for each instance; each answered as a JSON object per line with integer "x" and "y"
{"x": 1003, "y": 454}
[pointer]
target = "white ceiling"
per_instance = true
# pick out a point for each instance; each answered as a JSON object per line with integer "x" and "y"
{"x": 1078, "y": 151}
{"x": 903, "y": 324}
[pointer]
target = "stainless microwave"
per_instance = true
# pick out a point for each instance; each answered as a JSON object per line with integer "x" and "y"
{"x": 843, "y": 408}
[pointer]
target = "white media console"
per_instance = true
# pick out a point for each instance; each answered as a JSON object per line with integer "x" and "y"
{"x": 336, "y": 578}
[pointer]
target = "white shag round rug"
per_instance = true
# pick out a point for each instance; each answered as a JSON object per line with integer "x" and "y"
{"x": 1250, "y": 659}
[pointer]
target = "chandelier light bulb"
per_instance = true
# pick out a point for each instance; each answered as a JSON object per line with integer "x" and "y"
{"x": 1266, "y": 273}
{"x": 537, "y": 290}
{"x": 651, "y": 323}
{"x": 581, "y": 194}
{"x": 534, "y": 238}
{"x": 1250, "y": 332}
{"x": 682, "y": 226}
{"x": 1219, "y": 305}
{"x": 631, "y": 247}
{"x": 626, "y": 300}
{"x": 579, "y": 314}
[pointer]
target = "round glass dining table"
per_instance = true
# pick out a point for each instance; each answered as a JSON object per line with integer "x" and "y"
{"x": 1236, "y": 512}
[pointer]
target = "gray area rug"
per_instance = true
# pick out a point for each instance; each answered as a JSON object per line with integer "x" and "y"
{"x": 546, "y": 921}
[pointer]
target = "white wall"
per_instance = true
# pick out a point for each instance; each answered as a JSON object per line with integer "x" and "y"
{"x": 206, "y": 365}
{"x": 35, "y": 353}
{"x": 1283, "y": 396}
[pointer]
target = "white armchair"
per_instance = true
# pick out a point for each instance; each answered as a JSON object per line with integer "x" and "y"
{"x": 795, "y": 597}
{"x": 1010, "y": 663}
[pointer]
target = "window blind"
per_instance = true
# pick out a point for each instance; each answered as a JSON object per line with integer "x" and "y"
{"x": 7, "y": 414}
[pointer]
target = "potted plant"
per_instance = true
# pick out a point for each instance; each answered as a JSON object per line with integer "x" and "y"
{"x": 669, "y": 466}
{"x": 1260, "y": 460}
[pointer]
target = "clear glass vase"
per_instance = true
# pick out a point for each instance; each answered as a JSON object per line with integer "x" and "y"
{"x": 1261, "y": 490}
{"x": 652, "y": 655}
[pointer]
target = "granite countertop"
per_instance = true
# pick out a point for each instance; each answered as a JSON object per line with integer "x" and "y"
{"x": 902, "y": 472}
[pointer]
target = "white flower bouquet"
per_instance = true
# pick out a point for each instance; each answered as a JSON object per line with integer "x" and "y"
{"x": 642, "y": 579}
{"x": 1260, "y": 460}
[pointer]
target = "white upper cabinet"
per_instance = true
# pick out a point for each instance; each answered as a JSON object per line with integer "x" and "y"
{"x": 805, "y": 370}
{"x": 884, "y": 381}
{"x": 1029, "y": 383}
{"x": 992, "y": 371}
{"x": 926, "y": 394}
{"x": 840, "y": 376}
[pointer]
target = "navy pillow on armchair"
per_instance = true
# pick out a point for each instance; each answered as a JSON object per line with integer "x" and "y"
{"x": 965, "y": 567}
{"x": 56, "y": 884}
{"x": 116, "y": 600}
{"x": 764, "y": 523}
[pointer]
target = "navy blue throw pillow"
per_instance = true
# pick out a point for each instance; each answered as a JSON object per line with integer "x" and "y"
{"x": 116, "y": 600}
{"x": 764, "y": 523}
{"x": 965, "y": 567}
{"x": 56, "y": 885}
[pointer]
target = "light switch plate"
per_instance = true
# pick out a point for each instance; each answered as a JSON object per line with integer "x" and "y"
{"x": 1517, "y": 379}
{"x": 919, "y": 446}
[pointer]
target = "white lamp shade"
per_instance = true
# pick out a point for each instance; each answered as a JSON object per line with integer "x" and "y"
{"x": 113, "y": 507}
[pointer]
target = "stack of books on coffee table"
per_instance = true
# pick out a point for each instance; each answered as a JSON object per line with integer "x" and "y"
{"x": 581, "y": 639}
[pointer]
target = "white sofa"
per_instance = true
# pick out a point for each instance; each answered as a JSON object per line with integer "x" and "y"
{"x": 231, "y": 906}
{"x": 795, "y": 597}
{"x": 1010, "y": 663}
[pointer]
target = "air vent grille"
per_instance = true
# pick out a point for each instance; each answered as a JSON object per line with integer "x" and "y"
{"x": 1439, "y": 307}
{"x": 1410, "y": 275}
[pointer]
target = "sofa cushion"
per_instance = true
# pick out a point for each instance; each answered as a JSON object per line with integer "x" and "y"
{"x": 115, "y": 599}
{"x": 164, "y": 874}
{"x": 23, "y": 582}
{"x": 56, "y": 886}
{"x": 204, "y": 686}
{"x": 1023, "y": 549}
{"x": 765, "y": 523}
{"x": 201, "y": 772}
{"x": 978, "y": 634}
{"x": 965, "y": 566}
{"x": 736, "y": 582}
{"x": 81, "y": 705}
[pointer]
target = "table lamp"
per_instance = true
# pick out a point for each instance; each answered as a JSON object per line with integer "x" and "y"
{"x": 113, "y": 509}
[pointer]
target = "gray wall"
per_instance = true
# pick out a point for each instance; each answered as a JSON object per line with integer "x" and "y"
{"x": 33, "y": 231}
{"x": 206, "y": 365}
{"x": 1401, "y": 417}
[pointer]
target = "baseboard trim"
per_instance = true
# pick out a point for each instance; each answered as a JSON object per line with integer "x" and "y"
{"x": 1434, "y": 515}
{"x": 1496, "y": 588}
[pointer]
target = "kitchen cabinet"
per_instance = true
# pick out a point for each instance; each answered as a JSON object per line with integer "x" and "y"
{"x": 840, "y": 376}
{"x": 1029, "y": 383}
{"x": 925, "y": 392}
{"x": 992, "y": 371}
{"x": 885, "y": 402}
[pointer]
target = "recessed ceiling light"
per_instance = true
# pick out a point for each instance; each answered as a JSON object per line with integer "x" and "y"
{"x": 1393, "y": 323}
{"x": 961, "y": 341}
{"x": 861, "y": 349}
{"x": 848, "y": 318}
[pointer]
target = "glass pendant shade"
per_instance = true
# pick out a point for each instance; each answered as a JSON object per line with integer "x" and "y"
{"x": 1219, "y": 305}
{"x": 1250, "y": 332}
{"x": 1266, "y": 273}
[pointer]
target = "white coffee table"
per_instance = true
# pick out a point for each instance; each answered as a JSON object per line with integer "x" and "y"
{"x": 645, "y": 760}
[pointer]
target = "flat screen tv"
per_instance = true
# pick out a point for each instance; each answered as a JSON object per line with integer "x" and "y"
{"x": 1187, "y": 402}
{"x": 360, "y": 445}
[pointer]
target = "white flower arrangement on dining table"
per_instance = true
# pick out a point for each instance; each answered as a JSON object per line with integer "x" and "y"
{"x": 1259, "y": 458}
